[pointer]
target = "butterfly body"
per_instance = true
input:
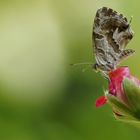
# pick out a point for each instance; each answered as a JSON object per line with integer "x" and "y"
{"x": 111, "y": 34}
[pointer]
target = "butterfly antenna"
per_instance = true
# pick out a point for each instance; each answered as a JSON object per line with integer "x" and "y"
{"x": 79, "y": 64}
{"x": 83, "y": 64}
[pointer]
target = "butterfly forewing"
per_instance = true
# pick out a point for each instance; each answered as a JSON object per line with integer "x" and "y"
{"x": 111, "y": 34}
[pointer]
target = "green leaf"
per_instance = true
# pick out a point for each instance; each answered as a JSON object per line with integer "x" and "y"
{"x": 123, "y": 109}
{"x": 132, "y": 92}
{"x": 126, "y": 119}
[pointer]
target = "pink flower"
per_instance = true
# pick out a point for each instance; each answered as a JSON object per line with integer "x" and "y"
{"x": 116, "y": 78}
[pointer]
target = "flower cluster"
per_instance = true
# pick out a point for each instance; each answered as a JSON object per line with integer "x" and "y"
{"x": 123, "y": 95}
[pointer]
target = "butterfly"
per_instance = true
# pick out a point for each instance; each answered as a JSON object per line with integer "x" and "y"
{"x": 111, "y": 34}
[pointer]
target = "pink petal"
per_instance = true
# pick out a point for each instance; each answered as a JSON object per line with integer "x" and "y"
{"x": 100, "y": 101}
{"x": 115, "y": 83}
{"x": 119, "y": 73}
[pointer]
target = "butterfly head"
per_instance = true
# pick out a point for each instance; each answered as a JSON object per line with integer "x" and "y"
{"x": 97, "y": 68}
{"x": 100, "y": 68}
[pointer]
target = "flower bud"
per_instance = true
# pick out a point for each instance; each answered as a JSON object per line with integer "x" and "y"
{"x": 123, "y": 95}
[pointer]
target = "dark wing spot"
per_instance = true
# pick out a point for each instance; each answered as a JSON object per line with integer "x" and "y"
{"x": 97, "y": 14}
{"x": 100, "y": 51}
{"x": 121, "y": 15}
{"x": 126, "y": 53}
{"x": 104, "y": 9}
{"x": 110, "y": 11}
{"x": 123, "y": 27}
{"x": 115, "y": 59}
{"x": 114, "y": 13}
{"x": 125, "y": 19}
{"x": 110, "y": 67}
{"x": 130, "y": 36}
{"x": 98, "y": 36}
{"x": 97, "y": 21}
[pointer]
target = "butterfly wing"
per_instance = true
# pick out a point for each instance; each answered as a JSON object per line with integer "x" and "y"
{"x": 111, "y": 34}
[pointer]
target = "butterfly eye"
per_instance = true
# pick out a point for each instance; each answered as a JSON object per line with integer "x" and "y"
{"x": 95, "y": 66}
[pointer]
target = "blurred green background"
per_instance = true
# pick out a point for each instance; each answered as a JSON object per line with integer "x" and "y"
{"x": 41, "y": 96}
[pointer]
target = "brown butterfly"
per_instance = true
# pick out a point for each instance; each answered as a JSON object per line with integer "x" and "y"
{"x": 111, "y": 34}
